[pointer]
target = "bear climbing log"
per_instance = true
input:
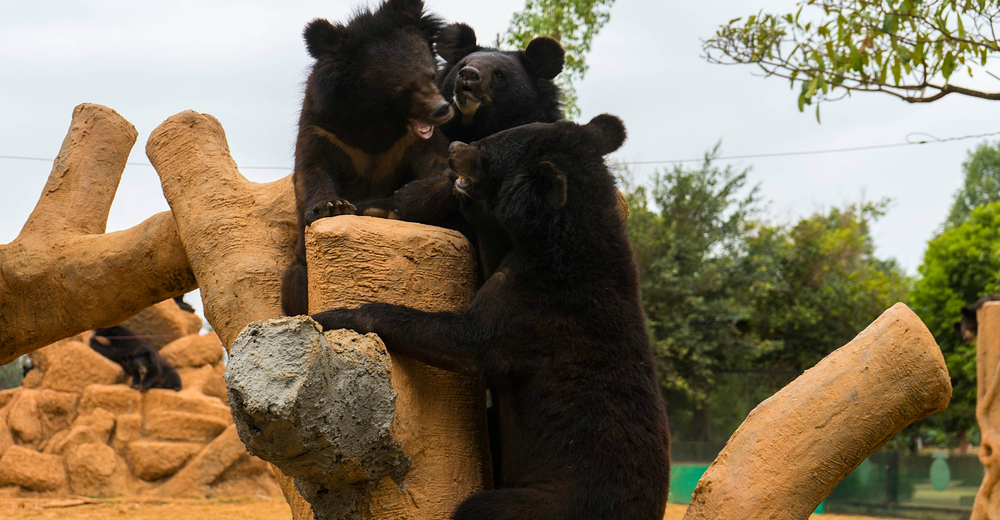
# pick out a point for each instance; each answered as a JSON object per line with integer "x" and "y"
{"x": 795, "y": 447}
{"x": 63, "y": 274}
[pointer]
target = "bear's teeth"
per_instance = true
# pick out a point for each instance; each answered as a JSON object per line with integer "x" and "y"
{"x": 423, "y": 130}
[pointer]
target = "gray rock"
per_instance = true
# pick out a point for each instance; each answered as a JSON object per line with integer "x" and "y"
{"x": 318, "y": 406}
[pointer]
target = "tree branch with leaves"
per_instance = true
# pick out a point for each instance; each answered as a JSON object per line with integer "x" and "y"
{"x": 908, "y": 49}
{"x": 574, "y": 24}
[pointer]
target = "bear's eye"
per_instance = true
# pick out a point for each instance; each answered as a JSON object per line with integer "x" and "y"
{"x": 497, "y": 74}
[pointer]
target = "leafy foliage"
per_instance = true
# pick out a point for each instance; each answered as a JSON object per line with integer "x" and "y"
{"x": 961, "y": 264}
{"x": 574, "y": 23}
{"x": 819, "y": 284}
{"x": 688, "y": 232}
{"x": 731, "y": 300}
{"x": 982, "y": 183}
{"x": 910, "y": 49}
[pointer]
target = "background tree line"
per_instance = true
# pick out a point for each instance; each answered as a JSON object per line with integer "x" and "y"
{"x": 738, "y": 305}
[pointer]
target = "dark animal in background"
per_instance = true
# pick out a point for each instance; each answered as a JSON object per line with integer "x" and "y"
{"x": 367, "y": 125}
{"x": 137, "y": 357}
{"x": 968, "y": 326}
{"x": 185, "y": 306}
{"x": 558, "y": 331}
{"x": 495, "y": 90}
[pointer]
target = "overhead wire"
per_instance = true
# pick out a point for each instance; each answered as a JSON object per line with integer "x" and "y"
{"x": 909, "y": 142}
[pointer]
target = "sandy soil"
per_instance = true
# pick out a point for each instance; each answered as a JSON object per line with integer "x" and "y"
{"x": 266, "y": 508}
{"x": 256, "y": 508}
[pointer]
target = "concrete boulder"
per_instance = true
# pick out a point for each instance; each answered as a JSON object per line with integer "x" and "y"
{"x": 163, "y": 323}
{"x": 29, "y": 469}
{"x": 76, "y": 365}
{"x": 214, "y": 459}
{"x": 117, "y": 399}
{"x": 23, "y": 418}
{"x": 183, "y": 426}
{"x": 95, "y": 470}
{"x": 153, "y": 460}
{"x": 194, "y": 351}
{"x": 160, "y": 400}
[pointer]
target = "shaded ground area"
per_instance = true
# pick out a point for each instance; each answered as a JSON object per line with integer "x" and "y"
{"x": 257, "y": 508}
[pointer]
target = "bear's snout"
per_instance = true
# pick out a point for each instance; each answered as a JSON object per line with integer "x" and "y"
{"x": 469, "y": 76}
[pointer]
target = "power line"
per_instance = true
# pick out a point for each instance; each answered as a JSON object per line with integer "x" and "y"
{"x": 831, "y": 150}
{"x": 908, "y": 142}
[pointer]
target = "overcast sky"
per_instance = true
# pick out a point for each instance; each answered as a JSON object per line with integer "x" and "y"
{"x": 244, "y": 62}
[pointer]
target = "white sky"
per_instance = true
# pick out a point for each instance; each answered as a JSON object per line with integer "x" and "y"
{"x": 244, "y": 62}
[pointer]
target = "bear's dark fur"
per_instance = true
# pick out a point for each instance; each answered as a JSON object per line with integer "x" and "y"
{"x": 968, "y": 326}
{"x": 495, "y": 90}
{"x": 367, "y": 122}
{"x": 558, "y": 331}
{"x": 137, "y": 357}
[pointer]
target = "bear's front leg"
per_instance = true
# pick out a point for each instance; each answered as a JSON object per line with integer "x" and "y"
{"x": 328, "y": 208}
{"x": 446, "y": 340}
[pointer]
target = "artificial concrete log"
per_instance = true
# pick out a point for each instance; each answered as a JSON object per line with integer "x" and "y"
{"x": 238, "y": 235}
{"x": 987, "y": 505}
{"x": 63, "y": 274}
{"x": 439, "y": 417}
{"x": 795, "y": 447}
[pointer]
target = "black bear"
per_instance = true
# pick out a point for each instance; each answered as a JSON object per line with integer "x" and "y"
{"x": 184, "y": 306}
{"x": 368, "y": 119}
{"x": 968, "y": 326}
{"x": 558, "y": 331}
{"x": 137, "y": 357}
{"x": 495, "y": 90}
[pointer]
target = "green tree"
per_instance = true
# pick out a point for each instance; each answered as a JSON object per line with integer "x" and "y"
{"x": 688, "y": 230}
{"x": 960, "y": 264}
{"x": 910, "y": 49}
{"x": 574, "y": 23}
{"x": 818, "y": 285}
{"x": 981, "y": 186}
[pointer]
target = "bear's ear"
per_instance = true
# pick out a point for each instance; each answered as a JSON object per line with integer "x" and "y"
{"x": 455, "y": 42}
{"x": 544, "y": 57}
{"x": 555, "y": 184}
{"x": 608, "y": 131}
{"x": 322, "y": 37}
{"x": 409, "y": 8}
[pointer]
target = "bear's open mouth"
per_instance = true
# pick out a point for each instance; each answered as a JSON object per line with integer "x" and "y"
{"x": 462, "y": 184}
{"x": 422, "y": 129}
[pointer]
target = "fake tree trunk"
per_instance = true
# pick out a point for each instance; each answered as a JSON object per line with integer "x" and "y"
{"x": 63, "y": 274}
{"x": 987, "y": 505}
{"x": 795, "y": 447}
{"x": 418, "y": 430}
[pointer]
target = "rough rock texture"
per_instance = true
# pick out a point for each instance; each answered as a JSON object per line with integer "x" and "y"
{"x": 987, "y": 505}
{"x": 439, "y": 417}
{"x": 63, "y": 259}
{"x": 94, "y": 469}
{"x": 795, "y": 447}
{"x": 163, "y": 323}
{"x": 153, "y": 460}
{"x": 319, "y": 406}
{"x": 117, "y": 399}
{"x": 194, "y": 351}
{"x": 31, "y": 470}
{"x": 109, "y": 439}
{"x": 75, "y": 365}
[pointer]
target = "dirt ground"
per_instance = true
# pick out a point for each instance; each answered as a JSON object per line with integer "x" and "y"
{"x": 251, "y": 508}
